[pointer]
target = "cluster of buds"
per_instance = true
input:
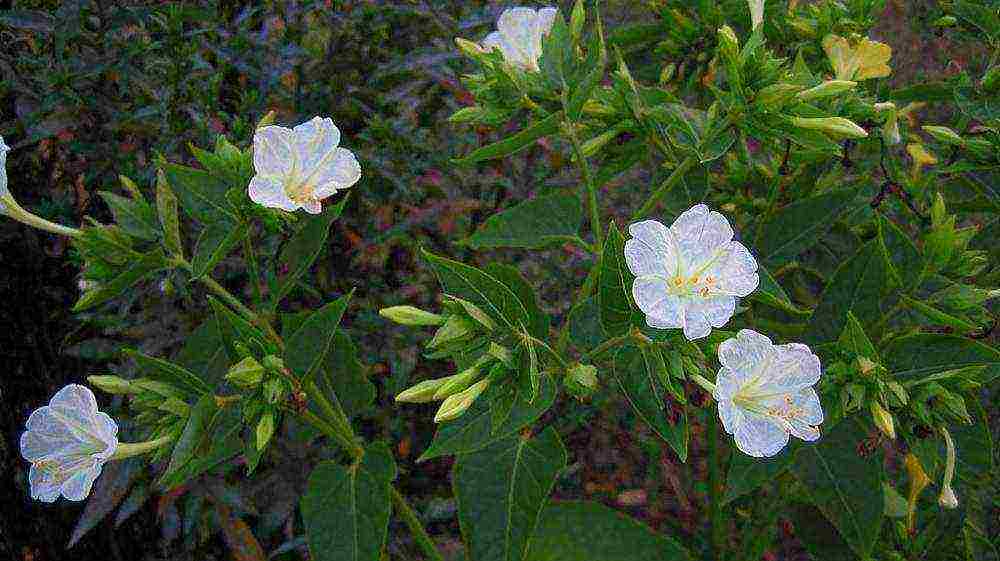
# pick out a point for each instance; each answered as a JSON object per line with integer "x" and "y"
{"x": 946, "y": 247}
{"x": 156, "y": 405}
{"x": 268, "y": 385}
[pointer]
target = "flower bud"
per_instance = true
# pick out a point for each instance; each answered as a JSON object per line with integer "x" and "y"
{"x": 265, "y": 429}
{"x": 274, "y": 390}
{"x": 246, "y": 373}
{"x": 476, "y": 313}
{"x": 838, "y": 126}
{"x": 827, "y": 89}
{"x": 581, "y": 380}
{"x": 948, "y": 499}
{"x": 944, "y": 134}
{"x": 576, "y": 20}
{"x": 456, "y": 405}
{"x": 890, "y": 128}
{"x": 455, "y": 328}
{"x": 468, "y": 48}
{"x": 729, "y": 44}
{"x": 112, "y": 384}
{"x": 408, "y": 315}
{"x": 422, "y": 392}
{"x": 883, "y": 420}
{"x": 462, "y": 380}
{"x": 466, "y": 115}
{"x": 777, "y": 95}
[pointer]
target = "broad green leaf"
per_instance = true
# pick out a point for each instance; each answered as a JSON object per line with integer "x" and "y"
{"x": 203, "y": 354}
{"x": 487, "y": 292}
{"x": 515, "y": 143}
{"x": 858, "y": 286}
{"x": 232, "y": 329}
{"x": 510, "y": 277}
{"x": 196, "y": 431}
{"x": 303, "y": 248}
{"x": 201, "y": 194}
{"x": 534, "y": 224}
{"x": 855, "y": 340}
{"x": 585, "y": 326}
{"x": 346, "y": 508}
{"x": 914, "y": 357}
{"x": 217, "y": 240}
{"x": 473, "y": 430}
{"x": 219, "y": 442}
{"x": 344, "y": 379}
{"x": 502, "y": 489}
{"x": 309, "y": 346}
{"x": 166, "y": 208}
{"x": 637, "y": 371}
{"x": 770, "y": 293}
{"x": 134, "y": 216}
{"x": 796, "y": 227}
{"x": 747, "y": 474}
{"x": 821, "y": 539}
{"x": 148, "y": 264}
{"x": 589, "y": 531}
{"x": 845, "y": 485}
{"x": 904, "y": 260}
{"x": 939, "y": 317}
{"x": 614, "y": 286}
{"x": 168, "y": 372}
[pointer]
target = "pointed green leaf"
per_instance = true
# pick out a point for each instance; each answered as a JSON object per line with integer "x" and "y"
{"x": 166, "y": 208}
{"x": 344, "y": 379}
{"x": 614, "y": 286}
{"x": 135, "y": 216}
{"x": 747, "y": 474}
{"x": 534, "y": 224}
{"x": 303, "y": 248}
{"x": 588, "y": 531}
{"x": 203, "y": 354}
{"x": 195, "y": 431}
{"x": 147, "y": 265}
{"x": 796, "y": 227}
{"x": 855, "y": 340}
{"x": 510, "y": 277}
{"x": 902, "y": 257}
{"x": 232, "y": 329}
{"x": 201, "y": 194}
{"x": 217, "y": 240}
{"x": 212, "y": 440}
{"x": 309, "y": 346}
{"x": 515, "y": 143}
{"x": 914, "y": 357}
{"x": 170, "y": 373}
{"x": 585, "y": 326}
{"x": 502, "y": 489}
{"x": 637, "y": 372}
{"x": 346, "y": 508}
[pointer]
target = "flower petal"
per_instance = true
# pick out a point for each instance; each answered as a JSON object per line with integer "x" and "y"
{"x": 42, "y": 488}
{"x": 737, "y": 271}
{"x": 270, "y": 192}
{"x": 517, "y": 27}
{"x": 745, "y": 351}
{"x": 337, "y": 173}
{"x": 78, "y": 485}
{"x": 718, "y": 310}
{"x": 795, "y": 368}
{"x": 700, "y": 232}
{"x": 652, "y": 250}
{"x": 730, "y": 415}
{"x": 314, "y": 142}
{"x": 493, "y": 41}
{"x": 696, "y": 323}
{"x": 759, "y": 436}
{"x": 312, "y": 207}
{"x": 272, "y": 150}
{"x": 662, "y": 309}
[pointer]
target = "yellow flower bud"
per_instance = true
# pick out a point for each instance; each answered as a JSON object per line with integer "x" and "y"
{"x": 408, "y": 315}
{"x": 456, "y": 405}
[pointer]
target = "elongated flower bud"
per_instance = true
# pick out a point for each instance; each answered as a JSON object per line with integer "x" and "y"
{"x": 456, "y": 405}
{"x": 468, "y": 48}
{"x": 455, "y": 328}
{"x": 883, "y": 420}
{"x": 777, "y": 95}
{"x": 408, "y": 315}
{"x": 462, "y": 380}
{"x": 944, "y": 134}
{"x": 422, "y": 392}
{"x": 827, "y": 89}
{"x": 112, "y": 384}
{"x": 948, "y": 499}
{"x": 831, "y": 125}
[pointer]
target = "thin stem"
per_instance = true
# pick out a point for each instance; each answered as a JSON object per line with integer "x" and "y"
{"x": 348, "y": 444}
{"x": 228, "y": 298}
{"x": 10, "y": 207}
{"x": 335, "y": 413}
{"x": 251, "y": 256}
{"x": 588, "y": 178}
{"x": 130, "y": 449}
{"x": 409, "y": 517}
{"x": 714, "y": 481}
{"x": 705, "y": 384}
{"x": 673, "y": 179}
{"x": 607, "y": 345}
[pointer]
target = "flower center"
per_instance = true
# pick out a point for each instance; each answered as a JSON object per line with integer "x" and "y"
{"x": 693, "y": 285}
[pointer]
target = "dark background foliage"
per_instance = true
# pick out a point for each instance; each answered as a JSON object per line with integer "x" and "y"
{"x": 90, "y": 90}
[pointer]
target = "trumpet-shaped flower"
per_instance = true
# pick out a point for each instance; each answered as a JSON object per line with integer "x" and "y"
{"x": 298, "y": 168}
{"x": 765, "y": 393}
{"x": 519, "y": 35}
{"x": 689, "y": 275}
{"x": 67, "y": 442}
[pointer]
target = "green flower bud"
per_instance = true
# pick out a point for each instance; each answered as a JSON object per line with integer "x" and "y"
{"x": 265, "y": 429}
{"x": 883, "y": 420}
{"x": 145, "y": 386}
{"x": 890, "y": 129}
{"x": 948, "y": 499}
{"x": 944, "y": 134}
{"x": 456, "y": 328}
{"x": 476, "y": 313}
{"x": 457, "y": 404}
{"x": 837, "y": 126}
{"x": 668, "y": 73}
{"x": 465, "y": 115}
{"x": 274, "y": 390}
{"x": 729, "y": 44}
{"x": 408, "y": 315}
{"x": 576, "y": 20}
{"x": 112, "y": 384}
{"x": 423, "y": 392}
{"x": 463, "y": 379}
{"x": 274, "y": 364}
{"x": 827, "y": 89}
{"x": 247, "y": 373}
{"x": 776, "y": 96}
{"x": 581, "y": 380}
{"x": 946, "y": 21}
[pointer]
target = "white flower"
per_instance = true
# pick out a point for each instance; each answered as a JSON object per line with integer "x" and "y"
{"x": 67, "y": 442}
{"x": 519, "y": 35}
{"x": 765, "y": 393}
{"x": 756, "y": 12}
{"x": 689, "y": 275}
{"x": 297, "y": 168}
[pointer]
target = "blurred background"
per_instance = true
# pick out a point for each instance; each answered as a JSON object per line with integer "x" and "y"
{"x": 90, "y": 90}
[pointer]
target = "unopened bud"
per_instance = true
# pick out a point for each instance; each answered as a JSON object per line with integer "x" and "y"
{"x": 468, "y": 48}
{"x": 246, "y": 373}
{"x": 948, "y": 499}
{"x": 112, "y": 384}
{"x": 457, "y": 404}
{"x": 408, "y": 315}
{"x": 422, "y": 392}
{"x": 466, "y": 115}
{"x": 865, "y": 365}
{"x": 274, "y": 390}
{"x": 462, "y": 380}
{"x": 838, "y": 126}
{"x": 777, "y": 95}
{"x": 581, "y": 380}
{"x": 883, "y": 420}
{"x": 476, "y": 313}
{"x": 274, "y": 364}
{"x": 729, "y": 44}
{"x": 455, "y": 328}
{"x": 944, "y": 134}
{"x": 827, "y": 89}
{"x": 265, "y": 429}
{"x": 576, "y": 20}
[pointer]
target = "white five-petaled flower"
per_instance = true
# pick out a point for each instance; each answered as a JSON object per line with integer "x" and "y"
{"x": 765, "y": 393}
{"x": 298, "y": 168}
{"x": 67, "y": 442}
{"x": 519, "y": 35}
{"x": 689, "y": 275}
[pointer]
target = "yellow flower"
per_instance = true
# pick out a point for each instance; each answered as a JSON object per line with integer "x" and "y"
{"x": 857, "y": 60}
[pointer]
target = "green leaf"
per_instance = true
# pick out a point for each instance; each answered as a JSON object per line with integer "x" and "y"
{"x": 796, "y": 227}
{"x": 203, "y": 355}
{"x": 821, "y": 539}
{"x": 855, "y": 340}
{"x": 303, "y": 248}
{"x": 201, "y": 194}
{"x": 309, "y": 346}
{"x": 510, "y": 277}
{"x": 845, "y": 485}
{"x": 216, "y": 241}
{"x": 534, "y": 224}
{"x": 194, "y": 434}
{"x": 515, "y": 143}
{"x": 473, "y": 430}
{"x": 858, "y": 286}
{"x": 638, "y": 372}
{"x": 614, "y": 286}
{"x": 346, "y": 508}
{"x": 166, "y": 208}
{"x": 747, "y": 474}
{"x": 585, "y": 330}
{"x": 904, "y": 261}
{"x": 232, "y": 329}
{"x": 502, "y": 489}
{"x": 482, "y": 289}
{"x": 588, "y": 531}
{"x": 344, "y": 379}
{"x": 170, "y": 373}
{"x": 915, "y": 357}
{"x": 770, "y": 293}
{"x": 147, "y": 265}
{"x": 939, "y": 317}
{"x": 134, "y": 216}
{"x": 219, "y": 440}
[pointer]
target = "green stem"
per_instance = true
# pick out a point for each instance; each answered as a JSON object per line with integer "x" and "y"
{"x": 10, "y": 207}
{"x": 227, "y": 297}
{"x": 251, "y": 256}
{"x": 673, "y": 179}
{"x": 634, "y": 336}
{"x": 409, "y": 517}
{"x": 550, "y": 350}
{"x": 715, "y": 503}
{"x": 130, "y": 449}
{"x": 588, "y": 178}
{"x": 704, "y": 383}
